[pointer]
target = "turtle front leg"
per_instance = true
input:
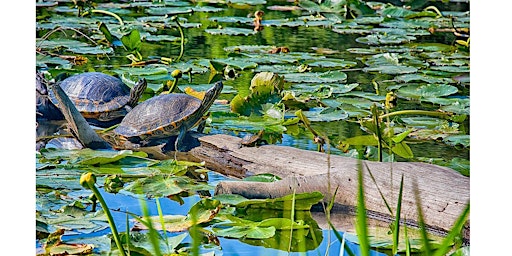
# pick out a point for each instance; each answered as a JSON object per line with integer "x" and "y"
{"x": 178, "y": 144}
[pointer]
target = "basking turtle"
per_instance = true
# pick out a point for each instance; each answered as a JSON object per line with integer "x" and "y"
{"x": 45, "y": 109}
{"x": 102, "y": 99}
{"x": 166, "y": 115}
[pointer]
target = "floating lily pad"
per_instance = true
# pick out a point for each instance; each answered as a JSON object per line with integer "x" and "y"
{"x": 232, "y": 19}
{"x": 424, "y": 78}
{"x": 379, "y": 39}
{"x": 391, "y": 69}
{"x": 231, "y": 31}
{"x": 314, "y": 77}
{"x": 332, "y": 63}
{"x": 170, "y": 11}
{"x": 457, "y": 139}
{"x": 325, "y": 114}
{"x": 427, "y": 91}
{"x": 240, "y": 63}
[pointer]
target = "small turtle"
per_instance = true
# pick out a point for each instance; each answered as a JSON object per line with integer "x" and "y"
{"x": 166, "y": 115}
{"x": 102, "y": 99}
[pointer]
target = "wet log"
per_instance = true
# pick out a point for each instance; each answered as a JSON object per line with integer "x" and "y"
{"x": 444, "y": 193}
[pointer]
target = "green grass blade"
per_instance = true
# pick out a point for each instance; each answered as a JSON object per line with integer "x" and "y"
{"x": 457, "y": 227}
{"x": 162, "y": 223}
{"x": 407, "y": 243}
{"x": 361, "y": 225}
{"x": 378, "y": 189}
{"x": 153, "y": 234}
{"x": 127, "y": 235}
{"x": 341, "y": 239}
{"x": 396, "y": 228}
{"x": 421, "y": 220}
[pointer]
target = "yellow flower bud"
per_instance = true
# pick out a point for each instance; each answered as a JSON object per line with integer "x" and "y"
{"x": 176, "y": 73}
{"x": 87, "y": 180}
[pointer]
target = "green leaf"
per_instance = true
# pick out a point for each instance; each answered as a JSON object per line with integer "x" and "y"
{"x": 264, "y": 177}
{"x": 362, "y": 140}
{"x": 427, "y": 91}
{"x": 230, "y": 31}
{"x": 253, "y": 232}
{"x": 403, "y": 150}
{"x": 303, "y": 201}
{"x": 400, "y": 137}
{"x": 314, "y": 77}
{"x": 132, "y": 41}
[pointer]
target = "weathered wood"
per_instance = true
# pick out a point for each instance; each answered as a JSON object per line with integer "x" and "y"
{"x": 444, "y": 192}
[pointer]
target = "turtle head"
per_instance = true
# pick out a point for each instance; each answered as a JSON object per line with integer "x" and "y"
{"x": 137, "y": 91}
{"x": 210, "y": 96}
{"x": 212, "y": 93}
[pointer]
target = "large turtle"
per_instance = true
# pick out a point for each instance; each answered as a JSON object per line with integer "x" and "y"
{"x": 166, "y": 115}
{"x": 102, "y": 99}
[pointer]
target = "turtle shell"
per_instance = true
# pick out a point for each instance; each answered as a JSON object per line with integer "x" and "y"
{"x": 161, "y": 116}
{"x": 95, "y": 92}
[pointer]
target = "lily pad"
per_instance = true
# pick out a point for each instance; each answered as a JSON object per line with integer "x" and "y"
{"x": 314, "y": 77}
{"x": 426, "y": 91}
{"x": 332, "y": 63}
{"x": 325, "y": 114}
{"x": 231, "y": 31}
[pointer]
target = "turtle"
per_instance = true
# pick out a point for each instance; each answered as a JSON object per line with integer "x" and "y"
{"x": 45, "y": 109}
{"x": 102, "y": 99}
{"x": 166, "y": 115}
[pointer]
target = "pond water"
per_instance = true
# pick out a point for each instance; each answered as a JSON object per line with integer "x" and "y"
{"x": 378, "y": 53}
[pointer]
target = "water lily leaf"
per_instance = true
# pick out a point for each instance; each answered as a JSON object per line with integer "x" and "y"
{"x": 454, "y": 140}
{"x": 303, "y": 202}
{"x": 332, "y": 63}
{"x": 75, "y": 217}
{"x": 364, "y": 50}
{"x": 56, "y": 43}
{"x": 249, "y": 48}
{"x": 91, "y": 50}
{"x": 452, "y": 69}
{"x": 232, "y": 19}
{"x": 253, "y": 232}
{"x": 426, "y": 91}
{"x": 169, "y": 11}
{"x": 44, "y": 60}
{"x": 230, "y": 199}
{"x": 159, "y": 38}
{"x": 98, "y": 157}
{"x": 159, "y": 186}
{"x": 325, "y": 7}
{"x": 203, "y": 211}
{"x": 57, "y": 247}
{"x": 240, "y": 63}
{"x": 314, "y": 77}
{"x": 379, "y": 39}
{"x": 406, "y": 78}
{"x": 325, "y": 114}
{"x": 357, "y": 102}
{"x": 230, "y": 31}
{"x": 396, "y": 12}
{"x": 264, "y": 177}
{"x": 249, "y": 2}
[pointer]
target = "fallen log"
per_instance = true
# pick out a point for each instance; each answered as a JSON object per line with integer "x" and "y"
{"x": 444, "y": 193}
